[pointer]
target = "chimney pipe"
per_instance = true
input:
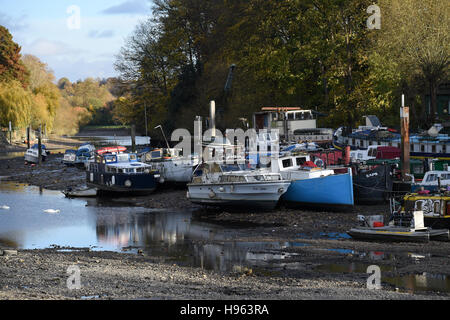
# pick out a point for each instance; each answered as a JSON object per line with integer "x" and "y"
{"x": 213, "y": 118}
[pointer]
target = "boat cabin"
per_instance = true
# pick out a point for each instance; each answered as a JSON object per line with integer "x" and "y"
{"x": 284, "y": 119}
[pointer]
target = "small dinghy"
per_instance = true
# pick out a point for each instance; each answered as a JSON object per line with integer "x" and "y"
{"x": 404, "y": 228}
{"x": 396, "y": 234}
{"x": 80, "y": 193}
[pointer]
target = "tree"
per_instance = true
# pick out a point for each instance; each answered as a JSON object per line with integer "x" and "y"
{"x": 39, "y": 73}
{"x": 11, "y": 68}
{"x": 15, "y": 104}
{"x": 415, "y": 34}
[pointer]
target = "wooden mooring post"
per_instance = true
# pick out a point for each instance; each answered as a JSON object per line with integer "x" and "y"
{"x": 405, "y": 148}
{"x": 133, "y": 138}
{"x": 39, "y": 145}
{"x": 28, "y": 136}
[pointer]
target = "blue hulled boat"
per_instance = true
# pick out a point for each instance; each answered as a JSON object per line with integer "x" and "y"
{"x": 314, "y": 186}
{"x": 121, "y": 172}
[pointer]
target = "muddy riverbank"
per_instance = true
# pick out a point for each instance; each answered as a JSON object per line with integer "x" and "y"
{"x": 317, "y": 261}
{"x": 104, "y": 275}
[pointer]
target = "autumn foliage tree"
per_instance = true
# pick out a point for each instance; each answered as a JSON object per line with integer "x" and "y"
{"x": 11, "y": 66}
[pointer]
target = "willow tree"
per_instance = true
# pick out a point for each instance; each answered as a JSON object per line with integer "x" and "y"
{"x": 415, "y": 34}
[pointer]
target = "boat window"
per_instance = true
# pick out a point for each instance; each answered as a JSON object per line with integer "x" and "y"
{"x": 300, "y": 161}
{"x": 445, "y": 176}
{"x": 422, "y": 148}
{"x": 431, "y": 178}
{"x": 197, "y": 180}
{"x": 133, "y": 157}
{"x": 418, "y": 205}
{"x": 230, "y": 167}
{"x": 232, "y": 178}
{"x": 433, "y": 148}
{"x": 273, "y": 177}
{"x": 110, "y": 159}
{"x": 287, "y": 163}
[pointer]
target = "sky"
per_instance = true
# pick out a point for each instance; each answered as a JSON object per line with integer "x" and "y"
{"x": 77, "y": 39}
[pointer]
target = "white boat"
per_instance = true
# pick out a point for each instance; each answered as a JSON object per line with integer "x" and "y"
{"x": 233, "y": 185}
{"x": 70, "y": 156}
{"x": 432, "y": 181}
{"x": 171, "y": 166}
{"x": 32, "y": 154}
{"x": 80, "y": 193}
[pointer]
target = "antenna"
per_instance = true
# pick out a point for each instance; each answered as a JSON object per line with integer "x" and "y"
{"x": 167, "y": 143}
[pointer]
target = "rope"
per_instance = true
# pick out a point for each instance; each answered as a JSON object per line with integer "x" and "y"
{"x": 375, "y": 189}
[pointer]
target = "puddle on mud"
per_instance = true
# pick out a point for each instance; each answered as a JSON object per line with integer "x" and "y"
{"x": 11, "y": 155}
{"x": 324, "y": 236}
{"x": 412, "y": 283}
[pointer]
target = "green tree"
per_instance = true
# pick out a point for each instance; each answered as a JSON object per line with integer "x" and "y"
{"x": 15, "y": 104}
{"x": 415, "y": 35}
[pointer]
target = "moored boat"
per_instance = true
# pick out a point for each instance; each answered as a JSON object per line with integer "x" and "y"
{"x": 403, "y": 227}
{"x": 234, "y": 186}
{"x": 70, "y": 156}
{"x": 32, "y": 154}
{"x": 373, "y": 184}
{"x": 432, "y": 181}
{"x": 173, "y": 167}
{"x": 122, "y": 173}
{"x": 80, "y": 193}
{"x": 312, "y": 185}
{"x": 435, "y": 207}
{"x": 84, "y": 155}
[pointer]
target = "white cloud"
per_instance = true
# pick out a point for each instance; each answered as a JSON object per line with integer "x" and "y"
{"x": 13, "y": 24}
{"x": 129, "y": 7}
{"x": 97, "y": 34}
{"x": 44, "y": 47}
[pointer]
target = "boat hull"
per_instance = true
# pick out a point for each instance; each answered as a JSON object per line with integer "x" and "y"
{"x": 373, "y": 186}
{"x": 253, "y": 195}
{"x": 121, "y": 183}
{"x": 332, "y": 190}
{"x": 392, "y": 234}
{"x": 32, "y": 158}
{"x": 174, "y": 171}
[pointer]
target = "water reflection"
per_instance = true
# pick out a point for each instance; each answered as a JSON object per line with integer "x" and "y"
{"x": 410, "y": 283}
{"x": 119, "y": 226}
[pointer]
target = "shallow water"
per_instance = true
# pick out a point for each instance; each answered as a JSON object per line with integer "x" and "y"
{"x": 410, "y": 282}
{"x": 37, "y": 218}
